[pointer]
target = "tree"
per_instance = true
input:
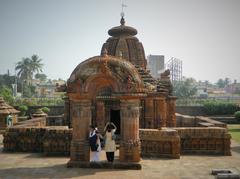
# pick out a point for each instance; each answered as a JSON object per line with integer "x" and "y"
{"x": 6, "y": 93}
{"x": 186, "y": 88}
{"x": 27, "y": 67}
{"x": 7, "y": 80}
{"x": 36, "y": 65}
{"x": 227, "y": 81}
{"x": 24, "y": 69}
{"x": 41, "y": 76}
{"x": 221, "y": 83}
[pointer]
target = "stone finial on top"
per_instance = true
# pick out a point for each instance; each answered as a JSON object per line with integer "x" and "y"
{"x": 104, "y": 52}
{"x": 122, "y": 21}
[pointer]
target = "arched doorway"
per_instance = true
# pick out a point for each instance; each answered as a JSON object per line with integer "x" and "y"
{"x": 104, "y": 89}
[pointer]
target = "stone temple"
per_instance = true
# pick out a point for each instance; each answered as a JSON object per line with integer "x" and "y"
{"x": 115, "y": 86}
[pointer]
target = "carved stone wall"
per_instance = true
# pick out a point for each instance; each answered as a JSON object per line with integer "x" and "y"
{"x": 49, "y": 140}
{"x": 204, "y": 140}
{"x": 149, "y": 113}
{"x": 171, "y": 110}
{"x": 130, "y": 142}
{"x": 160, "y": 143}
{"x": 160, "y": 112}
{"x": 81, "y": 121}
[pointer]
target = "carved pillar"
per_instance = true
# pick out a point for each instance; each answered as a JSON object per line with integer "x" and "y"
{"x": 130, "y": 142}
{"x": 81, "y": 120}
{"x": 149, "y": 113}
{"x": 171, "y": 110}
{"x": 100, "y": 116}
{"x": 160, "y": 112}
{"x": 66, "y": 112}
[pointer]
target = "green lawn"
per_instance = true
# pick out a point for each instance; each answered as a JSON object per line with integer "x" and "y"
{"x": 234, "y": 130}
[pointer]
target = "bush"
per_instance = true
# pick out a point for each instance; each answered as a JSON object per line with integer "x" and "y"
{"x": 219, "y": 108}
{"x": 23, "y": 109}
{"x": 46, "y": 110}
{"x": 237, "y": 115}
{"x": 39, "y": 101}
{"x": 6, "y": 93}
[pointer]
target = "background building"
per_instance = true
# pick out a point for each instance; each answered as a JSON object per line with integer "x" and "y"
{"x": 175, "y": 67}
{"x": 155, "y": 63}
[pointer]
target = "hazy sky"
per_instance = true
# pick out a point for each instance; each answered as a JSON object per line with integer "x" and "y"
{"x": 204, "y": 34}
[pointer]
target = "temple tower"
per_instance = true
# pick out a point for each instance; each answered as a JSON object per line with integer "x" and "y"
{"x": 124, "y": 44}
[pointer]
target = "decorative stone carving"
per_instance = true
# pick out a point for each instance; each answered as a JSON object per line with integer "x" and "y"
{"x": 81, "y": 121}
{"x": 130, "y": 142}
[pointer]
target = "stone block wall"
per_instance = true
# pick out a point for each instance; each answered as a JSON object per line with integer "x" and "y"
{"x": 211, "y": 121}
{"x": 191, "y": 110}
{"x": 56, "y": 141}
{"x": 205, "y": 140}
{"x": 186, "y": 121}
{"x": 55, "y": 120}
{"x": 34, "y": 136}
{"x": 159, "y": 143}
{"x": 23, "y": 139}
{"x": 197, "y": 121}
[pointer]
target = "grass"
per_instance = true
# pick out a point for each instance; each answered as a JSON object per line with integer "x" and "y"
{"x": 234, "y": 130}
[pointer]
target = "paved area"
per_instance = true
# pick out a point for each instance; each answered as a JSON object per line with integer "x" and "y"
{"x": 32, "y": 165}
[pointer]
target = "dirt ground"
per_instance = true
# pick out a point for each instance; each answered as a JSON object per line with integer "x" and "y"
{"x": 34, "y": 165}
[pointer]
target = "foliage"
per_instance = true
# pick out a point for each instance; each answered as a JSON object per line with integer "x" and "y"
{"x": 36, "y": 65}
{"x": 24, "y": 69}
{"x": 222, "y": 83}
{"x": 28, "y": 91}
{"x": 7, "y": 80}
{"x": 184, "y": 89}
{"x": 23, "y": 109}
{"x": 39, "y": 101}
{"x": 6, "y": 93}
{"x": 41, "y": 76}
{"x": 219, "y": 108}
{"x": 46, "y": 110}
{"x": 237, "y": 115}
{"x": 27, "y": 67}
{"x": 234, "y": 130}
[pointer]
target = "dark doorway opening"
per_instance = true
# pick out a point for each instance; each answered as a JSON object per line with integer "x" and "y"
{"x": 115, "y": 119}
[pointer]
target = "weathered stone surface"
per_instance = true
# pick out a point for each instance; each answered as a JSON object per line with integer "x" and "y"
{"x": 204, "y": 140}
{"x": 105, "y": 165}
{"x": 160, "y": 143}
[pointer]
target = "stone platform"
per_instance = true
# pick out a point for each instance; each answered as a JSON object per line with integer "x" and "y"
{"x": 36, "y": 165}
{"x": 104, "y": 165}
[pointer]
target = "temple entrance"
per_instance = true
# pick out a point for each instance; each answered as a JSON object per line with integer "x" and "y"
{"x": 116, "y": 119}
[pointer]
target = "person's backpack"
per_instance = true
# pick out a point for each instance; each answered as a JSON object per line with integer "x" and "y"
{"x": 93, "y": 143}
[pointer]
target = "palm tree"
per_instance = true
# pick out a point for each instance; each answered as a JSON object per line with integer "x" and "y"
{"x": 24, "y": 69}
{"x": 36, "y": 65}
{"x": 27, "y": 67}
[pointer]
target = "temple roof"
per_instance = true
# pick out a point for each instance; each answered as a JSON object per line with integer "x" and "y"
{"x": 119, "y": 74}
{"x": 122, "y": 30}
{"x": 123, "y": 43}
{"x": 5, "y": 108}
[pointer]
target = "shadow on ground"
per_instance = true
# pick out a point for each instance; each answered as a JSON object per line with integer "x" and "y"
{"x": 49, "y": 172}
{"x": 236, "y": 149}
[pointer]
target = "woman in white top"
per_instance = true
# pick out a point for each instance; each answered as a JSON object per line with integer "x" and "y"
{"x": 110, "y": 145}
